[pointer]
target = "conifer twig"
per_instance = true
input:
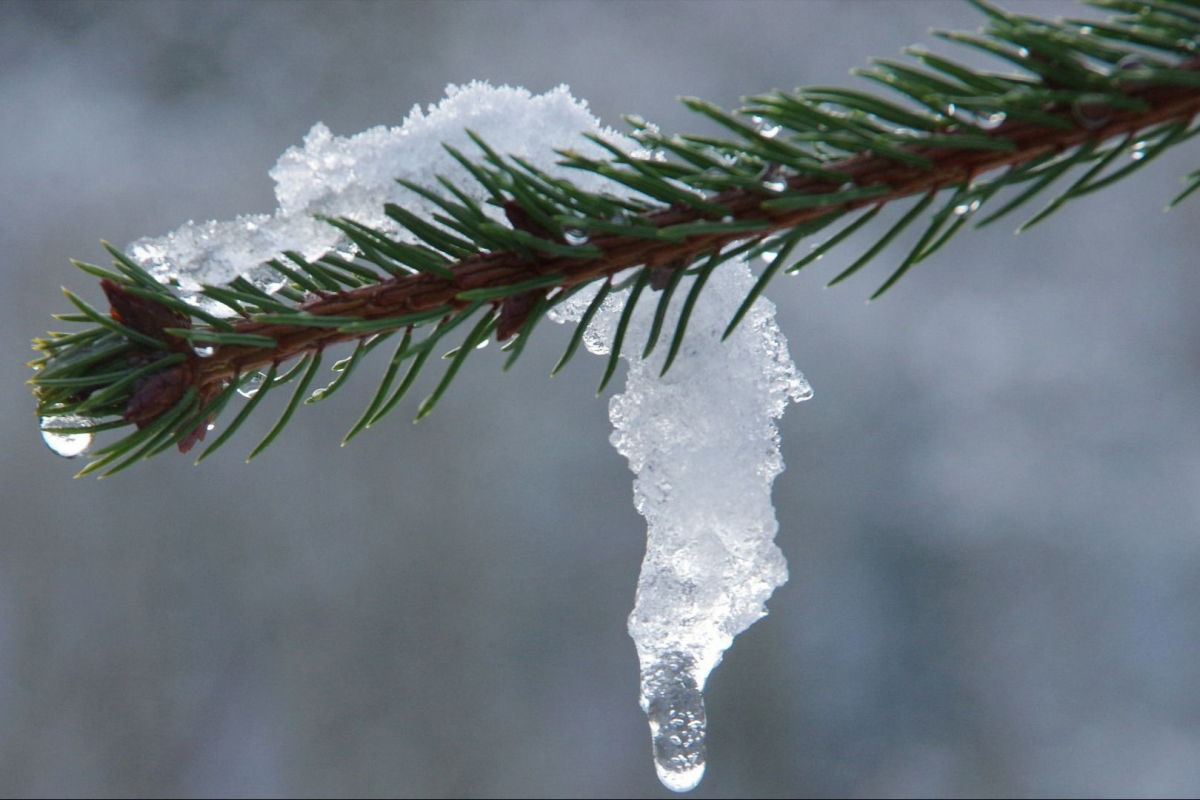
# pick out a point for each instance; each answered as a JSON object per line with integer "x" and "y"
{"x": 800, "y": 161}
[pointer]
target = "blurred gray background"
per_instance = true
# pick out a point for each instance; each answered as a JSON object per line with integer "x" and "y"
{"x": 991, "y": 508}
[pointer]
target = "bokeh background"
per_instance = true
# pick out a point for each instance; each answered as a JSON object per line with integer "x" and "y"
{"x": 991, "y": 508}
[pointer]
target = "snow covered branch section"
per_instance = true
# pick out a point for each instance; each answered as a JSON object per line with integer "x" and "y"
{"x": 703, "y": 443}
{"x": 702, "y": 439}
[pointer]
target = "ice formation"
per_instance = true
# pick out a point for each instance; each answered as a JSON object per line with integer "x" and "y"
{"x": 703, "y": 444}
{"x": 353, "y": 176}
{"x": 701, "y": 440}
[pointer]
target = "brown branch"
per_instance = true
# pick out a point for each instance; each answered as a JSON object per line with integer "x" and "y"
{"x": 414, "y": 293}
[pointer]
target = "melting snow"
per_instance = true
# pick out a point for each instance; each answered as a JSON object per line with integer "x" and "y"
{"x": 701, "y": 440}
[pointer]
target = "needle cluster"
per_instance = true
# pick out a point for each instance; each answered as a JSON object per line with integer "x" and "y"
{"x": 1085, "y": 104}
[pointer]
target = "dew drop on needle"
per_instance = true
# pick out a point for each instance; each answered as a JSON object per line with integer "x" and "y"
{"x": 64, "y": 434}
{"x": 575, "y": 237}
{"x": 250, "y": 387}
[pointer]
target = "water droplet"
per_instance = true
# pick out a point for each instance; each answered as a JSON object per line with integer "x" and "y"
{"x": 203, "y": 350}
{"x": 265, "y": 278}
{"x": 1127, "y": 64}
{"x": 984, "y": 120}
{"x": 776, "y": 183}
{"x": 59, "y": 436}
{"x": 1131, "y": 61}
{"x": 575, "y": 237}
{"x": 674, "y": 706}
{"x": 766, "y": 128}
{"x": 1138, "y": 150}
{"x": 1091, "y": 114}
{"x": 1022, "y": 52}
{"x": 992, "y": 121}
{"x": 1086, "y": 30}
{"x": 252, "y": 384}
{"x": 966, "y": 209}
{"x": 769, "y": 256}
{"x": 482, "y": 344}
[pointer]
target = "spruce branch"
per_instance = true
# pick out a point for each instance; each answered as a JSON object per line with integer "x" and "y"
{"x": 1099, "y": 98}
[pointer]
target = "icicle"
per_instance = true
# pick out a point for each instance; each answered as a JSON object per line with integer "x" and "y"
{"x": 703, "y": 444}
{"x": 701, "y": 440}
{"x": 674, "y": 704}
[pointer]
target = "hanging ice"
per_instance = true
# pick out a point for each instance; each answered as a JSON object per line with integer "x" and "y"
{"x": 703, "y": 444}
{"x": 702, "y": 441}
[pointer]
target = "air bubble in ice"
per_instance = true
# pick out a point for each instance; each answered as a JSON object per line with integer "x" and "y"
{"x": 674, "y": 706}
{"x": 62, "y": 434}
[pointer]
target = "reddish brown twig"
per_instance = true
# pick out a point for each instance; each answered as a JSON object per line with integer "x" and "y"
{"x": 397, "y": 296}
